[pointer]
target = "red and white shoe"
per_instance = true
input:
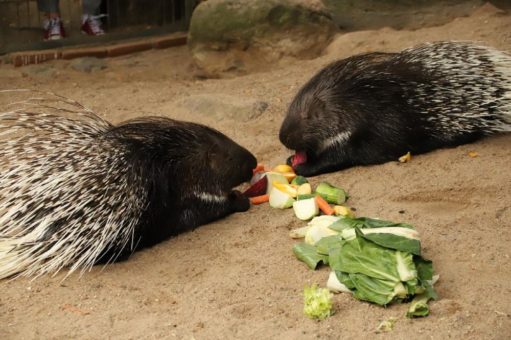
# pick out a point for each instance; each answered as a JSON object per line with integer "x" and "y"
{"x": 91, "y": 25}
{"x": 53, "y": 29}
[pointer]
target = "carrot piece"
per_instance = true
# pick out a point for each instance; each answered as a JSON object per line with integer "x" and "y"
{"x": 324, "y": 206}
{"x": 258, "y": 168}
{"x": 259, "y": 199}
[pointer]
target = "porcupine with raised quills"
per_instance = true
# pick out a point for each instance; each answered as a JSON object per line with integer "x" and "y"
{"x": 76, "y": 190}
{"x": 374, "y": 107}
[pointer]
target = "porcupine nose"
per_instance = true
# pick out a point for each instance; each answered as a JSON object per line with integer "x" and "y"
{"x": 289, "y": 133}
{"x": 249, "y": 162}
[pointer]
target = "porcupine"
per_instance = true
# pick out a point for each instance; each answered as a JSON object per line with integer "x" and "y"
{"x": 374, "y": 107}
{"x": 76, "y": 190}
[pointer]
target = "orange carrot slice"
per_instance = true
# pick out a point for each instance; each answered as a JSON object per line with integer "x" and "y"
{"x": 324, "y": 206}
{"x": 258, "y": 168}
{"x": 259, "y": 199}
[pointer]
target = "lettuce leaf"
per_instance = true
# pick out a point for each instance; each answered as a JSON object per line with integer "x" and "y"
{"x": 398, "y": 236}
{"x": 419, "y": 306}
{"x": 345, "y": 279}
{"x": 324, "y": 245}
{"x": 308, "y": 254}
{"x": 317, "y": 302}
{"x": 378, "y": 291}
{"x": 378, "y": 261}
{"x": 365, "y": 222}
{"x": 365, "y": 257}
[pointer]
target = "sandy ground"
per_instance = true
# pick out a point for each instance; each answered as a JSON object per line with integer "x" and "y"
{"x": 237, "y": 278}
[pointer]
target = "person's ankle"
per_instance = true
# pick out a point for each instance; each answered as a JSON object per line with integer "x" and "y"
{"x": 52, "y": 15}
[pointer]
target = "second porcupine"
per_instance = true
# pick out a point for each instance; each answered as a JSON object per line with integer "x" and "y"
{"x": 75, "y": 191}
{"x": 374, "y": 107}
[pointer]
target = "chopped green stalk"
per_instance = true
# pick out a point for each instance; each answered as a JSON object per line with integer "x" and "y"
{"x": 330, "y": 193}
{"x": 305, "y": 197}
{"x": 317, "y": 302}
{"x": 299, "y": 180}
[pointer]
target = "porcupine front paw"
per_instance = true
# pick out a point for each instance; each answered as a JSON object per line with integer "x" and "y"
{"x": 239, "y": 203}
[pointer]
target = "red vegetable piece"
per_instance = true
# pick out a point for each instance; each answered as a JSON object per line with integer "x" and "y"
{"x": 258, "y": 168}
{"x": 258, "y": 188}
{"x": 257, "y": 176}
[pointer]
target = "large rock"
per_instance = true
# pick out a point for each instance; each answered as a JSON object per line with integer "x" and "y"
{"x": 399, "y": 14}
{"x": 220, "y": 106}
{"x": 236, "y": 36}
{"x": 88, "y": 64}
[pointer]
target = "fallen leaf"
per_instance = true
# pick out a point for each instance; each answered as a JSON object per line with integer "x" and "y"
{"x": 405, "y": 158}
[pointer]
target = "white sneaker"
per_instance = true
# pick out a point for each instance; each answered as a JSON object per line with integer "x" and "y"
{"x": 91, "y": 25}
{"x": 53, "y": 29}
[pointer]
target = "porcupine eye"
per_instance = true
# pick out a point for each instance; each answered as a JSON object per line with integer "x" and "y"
{"x": 315, "y": 109}
{"x": 215, "y": 159}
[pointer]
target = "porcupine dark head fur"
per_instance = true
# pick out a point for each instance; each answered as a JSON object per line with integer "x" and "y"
{"x": 375, "y": 107}
{"x": 77, "y": 190}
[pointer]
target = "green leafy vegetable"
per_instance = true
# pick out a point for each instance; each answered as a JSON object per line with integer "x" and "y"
{"x": 345, "y": 279}
{"x": 377, "y": 261}
{"x": 335, "y": 285}
{"x": 365, "y": 257}
{"x": 317, "y": 228}
{"x": 366, "y": 222}
{"x": 317, "y": 302}
{"x": 386, "y": 238}
{"x": 387, "y": 325}
{"x": 326, "y": 244}
{"x": 299, "y": 180}
{"x": 419, "y": 306}
{"x": 398, "y": 236}
{"x": 305, "y": 197}
{"x": 308, "y": 254}
{"x": 378, "y": 291}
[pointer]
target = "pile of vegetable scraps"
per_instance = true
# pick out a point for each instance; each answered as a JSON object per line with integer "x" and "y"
{"x": 374, "y": 260}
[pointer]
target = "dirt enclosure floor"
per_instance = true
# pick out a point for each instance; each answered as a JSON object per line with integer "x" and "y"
{"x": 237, "y": 278}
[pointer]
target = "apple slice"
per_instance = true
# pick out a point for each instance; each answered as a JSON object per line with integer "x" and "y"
{"x": 280, "y": 200}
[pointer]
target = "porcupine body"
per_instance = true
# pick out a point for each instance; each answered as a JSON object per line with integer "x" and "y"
{"x": 76, "y": 190}
{"x": 374, "y": 107}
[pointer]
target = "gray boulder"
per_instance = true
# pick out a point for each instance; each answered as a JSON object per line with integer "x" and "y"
{"x": 219, "y": 107}
{"x": 88, "y": 64}
{"x": 238, "y": 36}
{"x": 398, "y": 14}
